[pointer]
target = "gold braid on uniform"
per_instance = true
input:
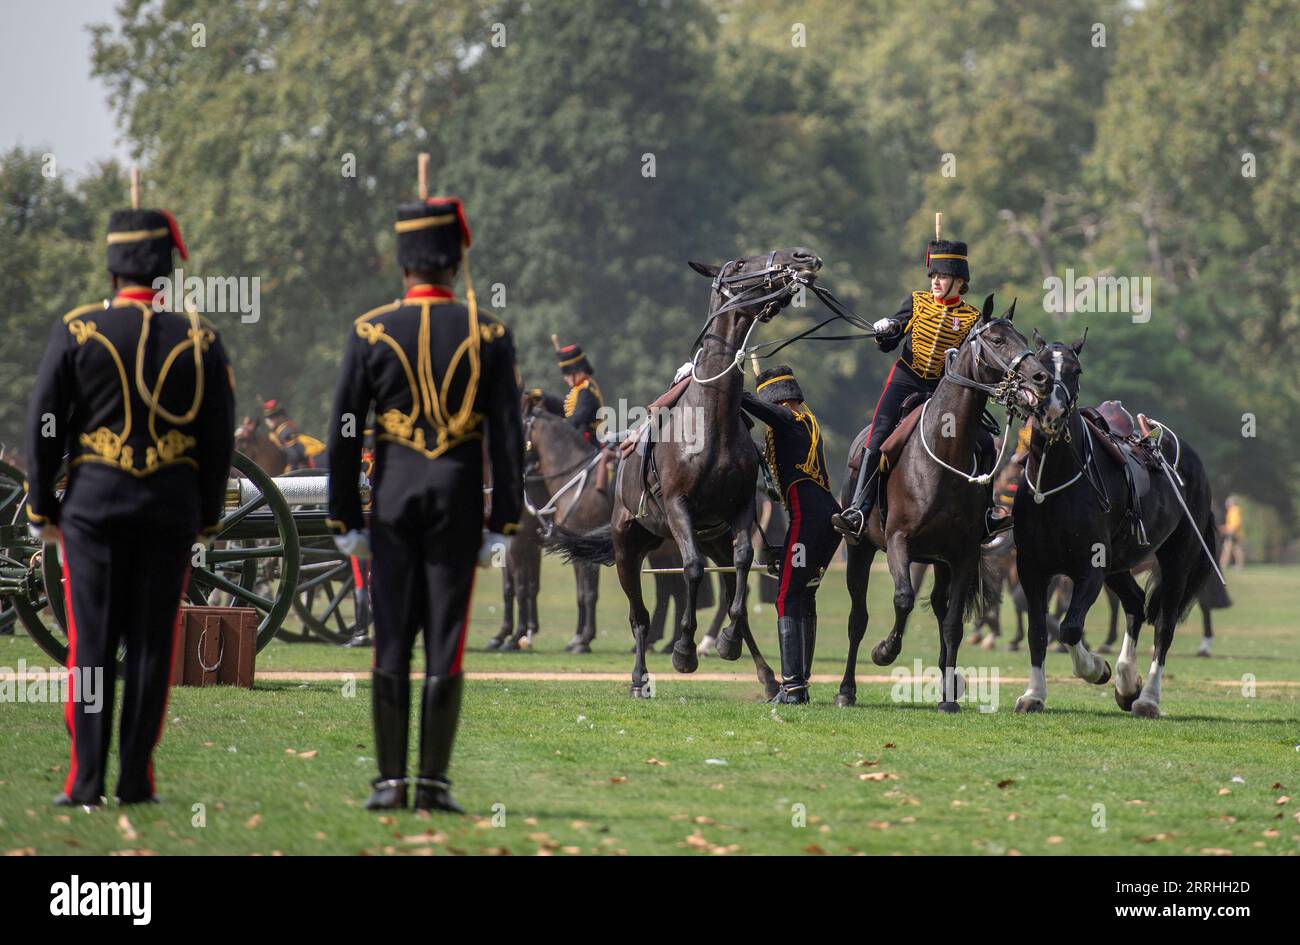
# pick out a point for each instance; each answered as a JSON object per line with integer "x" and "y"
{"x": 933, "y": 332}
{"x": 110, "y": 448}
{"x": 451, "y": 428}
{"x": 571, "y": 398}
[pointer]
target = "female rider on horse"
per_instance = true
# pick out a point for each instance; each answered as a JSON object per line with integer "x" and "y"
{"x": 927, "y": 324}
{"x": 797, "y": 461}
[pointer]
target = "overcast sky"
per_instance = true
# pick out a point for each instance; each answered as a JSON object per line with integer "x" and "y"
{"x": 50, "y": 101}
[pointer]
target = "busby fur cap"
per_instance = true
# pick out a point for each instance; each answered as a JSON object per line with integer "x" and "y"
{"x": 431, "y": 234}
{"x": 140, "y": 243}
{"x": 777, "y": 384}
{"x": 572, "y": 359}
{"x": 947, "y": 257}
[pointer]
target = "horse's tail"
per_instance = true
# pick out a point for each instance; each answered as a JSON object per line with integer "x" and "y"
{"x": 593, "y": 547}
{"x": 985, "y": 591}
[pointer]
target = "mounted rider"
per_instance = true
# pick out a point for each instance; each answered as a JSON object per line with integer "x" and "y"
{"x": 926, "y": 324}
{"x": 300, "y": 450}
{"x": 583, "y": 403}
{"x": 796, "y": 456}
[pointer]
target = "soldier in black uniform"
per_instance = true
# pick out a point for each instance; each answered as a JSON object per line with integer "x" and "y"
{"x": 139, "y": 400}
{"x": 440, "y": 375}
{"x": 927, "y": 324}
{"x": 583, "y": 401}
{"x": 797, "y": 460}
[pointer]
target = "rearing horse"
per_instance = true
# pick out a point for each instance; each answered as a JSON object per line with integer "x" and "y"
{"x": 935, "y": 502}
{"x": 703, "y": 467}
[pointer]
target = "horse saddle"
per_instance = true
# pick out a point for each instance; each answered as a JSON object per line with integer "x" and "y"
{"x": 892, "y": 449}
{"x": 1112, "y": 426}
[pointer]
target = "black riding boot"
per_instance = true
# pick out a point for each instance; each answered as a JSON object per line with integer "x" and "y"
{"x": 391, "y": 706}
{"x": 794, "y": 679}
{"x": 997, "y": 519}
{"x": 439, "y": 713}
{"x": 851, "y": 522}
{"x": 809, "y": 646}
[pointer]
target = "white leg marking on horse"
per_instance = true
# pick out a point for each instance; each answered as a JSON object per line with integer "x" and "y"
{"x": 1037, "y": 684}
{"x": 1087, "y": 665}
{"x": 1204, "y": 648}
{"x": 1151, "y": 691}
{"x": 1126, "y": 668}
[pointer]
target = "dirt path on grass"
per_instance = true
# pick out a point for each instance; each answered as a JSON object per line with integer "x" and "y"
{"x": 291, "y": 675}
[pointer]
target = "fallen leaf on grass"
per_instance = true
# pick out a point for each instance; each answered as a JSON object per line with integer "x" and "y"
{"x": 879, "y": 824}
{"x": 126, "y": 830}
{"x": 1271, "y": 834}
{"x": 1283, "y": 800}
{"x": 618, "y": 780}
{"x": 1053, "y": 841}
{"x": 308, "y": 754}
{"x": 387, "y": 820}
{"x": 878, "y": 776}
{"x": 21, "y": 851}
{"x": 1006, "y": 782}
{"x": 814, "y": 849}
{"x": 1215, "y": 851}
{"x": 1154, "y": 838}
{"x": 1224, "y": 790}
{"x": 253, "y": 822}
{"x": 657, "y": 762}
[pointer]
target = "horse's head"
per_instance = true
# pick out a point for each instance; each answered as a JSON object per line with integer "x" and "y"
{"x": 759, "y": 286}
{"x": 245, "y": 433}
{"x": 1000, "y": 357}
{"x": 1063, "y": 363}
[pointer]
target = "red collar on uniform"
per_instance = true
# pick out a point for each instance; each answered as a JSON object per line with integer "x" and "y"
{"x": 426, "y": 291}
{"x": 136, "y": 294}
{"x": 949, "y": 303}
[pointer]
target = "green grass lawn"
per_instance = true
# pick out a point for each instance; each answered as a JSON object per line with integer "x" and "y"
{"x": 576, "y": 766}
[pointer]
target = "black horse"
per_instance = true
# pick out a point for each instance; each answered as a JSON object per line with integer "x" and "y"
{"x": 935, "y": 508}
{"x": 1074, "y": 517}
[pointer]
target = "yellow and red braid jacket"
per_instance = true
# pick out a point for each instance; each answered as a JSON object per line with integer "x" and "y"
{"x": 582, "y": 408}
{"x": 928, "y": 328}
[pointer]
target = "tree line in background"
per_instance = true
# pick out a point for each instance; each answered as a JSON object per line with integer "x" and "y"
{"x": 1160, "y": 145}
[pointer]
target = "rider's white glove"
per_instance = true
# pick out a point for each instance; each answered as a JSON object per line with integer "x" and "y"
{"x": 885, "y": 326}
{"x": 682, "y": 371}
{"x": 494, "y": 543}
{"x": 355, "y": 544}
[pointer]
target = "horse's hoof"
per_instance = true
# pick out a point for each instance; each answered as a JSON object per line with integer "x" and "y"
{"x": 845, "y": 699}
{"x": 974, "y": 639}
{"x": 1105, "y": 648}
{"x": 770, "y": 687}
{"x": 1105, "y": 677}
{"x": 1125, "y": 702}
{"x": 1027, "y": 704}
{"x": 1013, "y": 647}
{"x": 882, "y": 655}
{"x": 1146, "y": 710}
{"x": 707, "y": 645}
{"x": 493, "y": 644}
{"x": 950, "y": 708}
{"x": 990, "y": 643}
{"x": 580, "y": 648}
{"x": 684, "y": 658}
{"x": 507, "y": 645}
{"x": 729, "y": 645}
{"x": 637, "y": 692}
{"x": 1061, "y": 648}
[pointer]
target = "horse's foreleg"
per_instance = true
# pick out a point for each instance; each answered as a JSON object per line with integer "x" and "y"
{"x": 741, "y": 555}
{"x": 1086, "y": 665}
{"x": 1034, "y": 588}
{"x": 857, "y": 577}
{"x": 886, "y": 651}
{"x": 685, "y": 659}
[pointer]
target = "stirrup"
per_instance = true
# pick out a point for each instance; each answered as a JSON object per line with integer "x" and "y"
{"x": 995, "y": 525}
{"x": 846, "y": 526}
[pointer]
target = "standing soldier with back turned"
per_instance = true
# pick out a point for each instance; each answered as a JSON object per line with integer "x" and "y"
{"x": 140, "y": 402}
{"x": 440, "y": 374}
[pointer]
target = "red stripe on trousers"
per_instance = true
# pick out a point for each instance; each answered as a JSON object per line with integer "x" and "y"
{"x": 176, "y": 634}
{"x": 464, "y": 626}
{"x": 871, "y": 426}
{"x": 791, "y": 539}
{"x": 72, "y": 667}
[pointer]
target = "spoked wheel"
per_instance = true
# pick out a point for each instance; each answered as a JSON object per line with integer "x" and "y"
{"x": 327, "y": 601}
{"x": 257, "y": 537}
